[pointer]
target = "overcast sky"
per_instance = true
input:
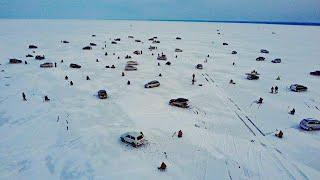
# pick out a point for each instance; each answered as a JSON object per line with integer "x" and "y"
{"x": 227, "y": 10}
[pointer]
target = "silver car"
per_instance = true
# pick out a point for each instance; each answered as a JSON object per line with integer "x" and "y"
{"x": 310, "y": 124}
{"x": 134, "y": 138}
{"x": 152, "y": 84}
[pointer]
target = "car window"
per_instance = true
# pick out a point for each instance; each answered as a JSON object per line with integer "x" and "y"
{"x": 139, "y": 137}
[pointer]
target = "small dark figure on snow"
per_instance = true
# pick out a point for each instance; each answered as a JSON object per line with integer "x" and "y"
{"x": 179, "y": 134}
{"x": 128, "y": 83}
{"x": 160, "y": 75}
{"x": 280, "y": 134}
{"x": 88, "y": 78}
{"x": 25, "y": 62}
{"x": 260, "y": 101}
{"x": 231, "y": 82}
{"x": 276, "y": 89}
{"x": 272, "y": 90}
{"x": 193, "y": 76}
{"x": 208, "y": 55}
{"x": 233, "y": 63}
{"x": 176, "y": 56}
{"x": 162, "y": 167}
{"x": 61, "y": 61}
{"x": 141, "y": 52}
{"x": 112, "y": 66}
{"x": 122, "y": 74}
{"x": 46, "y": 98}
{"x": 278, "y": 78}
{"x": 66, "y": 78}
{"x": 71, "y": 83}
{"x": 97, "y": 60}
{"x": 55, "y": 64}
{"x": 24, "y": 96}
{"x": 158, "y": 64}
{"x": 292, "y": 111}
{"x": 118, "y": 57}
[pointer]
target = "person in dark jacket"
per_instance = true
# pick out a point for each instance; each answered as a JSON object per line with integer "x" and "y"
{"x": 24, "y": 96}
{"x": 46, "y": 98}
{"x": 280, "y": 134}
{"x": 272, "y": 88}
{"x": 122, "y": 74}
{"x": 66, "y": 78}
{"x": 179, "y": 134}
{"x": 162, "y": 167}
{"x": 292, "y": 111}
{"x": 71, "y": 83}
{"x": 260, "y": 101}
{"x": 88, "y": 78}
{"x": 128, "y": 83}
{"x": 55, "y": 64}
{"x": 276, "y": 89}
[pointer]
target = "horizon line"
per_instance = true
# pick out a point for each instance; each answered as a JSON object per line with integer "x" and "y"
{"x": 184, "y": 20}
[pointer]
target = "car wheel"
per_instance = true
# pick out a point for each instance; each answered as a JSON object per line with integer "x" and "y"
{"x": 122, "y": 139}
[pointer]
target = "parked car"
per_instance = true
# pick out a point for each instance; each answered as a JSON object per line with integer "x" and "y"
{"x": 33, "y": 47}
{"x": 179, "y": 102}
{"x": 39, "y": 57}
{"x": 102, "y": 94}
{"x": 298, "y": 88}
{"x": 315, "y": 73}
{"x": 234, "y": 52}
{"x": 252, "y": 76}
{"x": 65, "y": 42}
{"x": 178, "y": 50}
{"x": 134, "y": 138}
{"x": 113, "y": 42}
{"x": 130, "y": 68}
{"x": 277, "y": 60}
{"x": 77, "y": 66}
{"x": 162, "y": 57}
{"x": 310, "y": 124}
{"x": 87, "y": 48}
{"x": 132, "y": 63}
{"x": 260, "y": 58}
{"x": 137, "y": 52}
{"x": 225, "y": 44}
{"x": 93, "y": 44}
{"x": 46, "y": 65}
{"x": 152, "y": 48}
{"x": 264, "y": 51}
{"x": 178, "y": 38}
{"x": 15, "y": 61}
{"x": 152, "y": 84}
{"x": 199, "y": 66}
{"x": 117, "y": 39}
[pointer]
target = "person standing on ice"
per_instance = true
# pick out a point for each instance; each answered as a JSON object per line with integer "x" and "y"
{"x": 71, "y": 83}
{"x": 66, "y": 78}
{"x": 292, "y": 111}
{"x": 55, "y": 64}
{"x": 276, "y": 89}
{"x": 88, "y": 78}
{"x": 272, "y": 90}
{"x": 128, "y": 83}
{"x": 24, "y": 96}
{"x": 260, "y": 101}
{"x": 179, "y": 134}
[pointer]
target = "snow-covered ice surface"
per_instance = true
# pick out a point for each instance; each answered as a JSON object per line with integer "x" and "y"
{"x": 226, "y": 136}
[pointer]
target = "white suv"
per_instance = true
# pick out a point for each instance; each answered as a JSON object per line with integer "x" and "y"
{"x": 134, "y": 138}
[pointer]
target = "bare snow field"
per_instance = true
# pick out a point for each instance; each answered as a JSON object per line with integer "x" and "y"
{"x": 225, "y": 134}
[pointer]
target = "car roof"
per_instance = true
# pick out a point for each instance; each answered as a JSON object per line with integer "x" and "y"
{"x": 133, "y": 133}
{"x": 311, "y": 120}
{"x": 154, "y": 81}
